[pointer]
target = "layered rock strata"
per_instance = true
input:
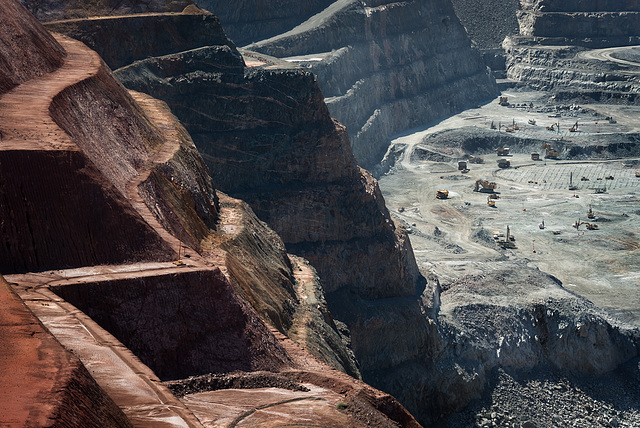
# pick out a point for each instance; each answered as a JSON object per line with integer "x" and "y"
{"x": 127, "y": 157}
{"x": 250, "y": 21}
{"x": 614, "y": 23}
{"x": 551, "y": 51}
{"x": 385, "y": 67}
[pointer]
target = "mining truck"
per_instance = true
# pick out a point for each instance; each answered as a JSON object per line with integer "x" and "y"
{"x": 442, "y": 194}
{"x": 504, "y": 163}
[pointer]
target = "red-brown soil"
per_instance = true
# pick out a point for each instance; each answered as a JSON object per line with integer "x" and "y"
{"x": 27, "y": 50}
{"x": 77, "y": 152}
{"x": 41, "y": 382}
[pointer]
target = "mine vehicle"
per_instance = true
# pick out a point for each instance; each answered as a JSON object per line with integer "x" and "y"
{"x": 504, "y": 163}
{"x": 550, "y": 152}
{"x": 462, "y": 166}
{"x": 535, "y": 156}
{"x": 476, "y": 159}
{"x": 494, "y": 196}
{"x": 508, "y": 241}
{"x": 487, "y": 186}
{"x": 590, "y": 213}
{"x": 503, "y": 151}
{"x": 491, "y": 202}
{"x": 574, "y": 128}
{"x": 571, "y": 185}
{"x": 584, "y": 178}
{"x": 503, "y": 101}
{"x": 590, "y": 226}
{"x": 609, "y": 177}
{"x": 442, "y": 194}
{"x": 532, "y": 121}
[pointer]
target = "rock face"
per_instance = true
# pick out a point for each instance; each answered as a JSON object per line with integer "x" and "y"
{"x": 50, "y": 10}
{"x": 143, "y": 35}
{"x": 549, "y": 52}
{"x": 132, "y": 194}
{"x": 596, "y": 20}
{"x": 385, "y": 67}
{"x": 212, "y": 330}
{"x": 249, "y": 21}
{"x": 488, "y": 24}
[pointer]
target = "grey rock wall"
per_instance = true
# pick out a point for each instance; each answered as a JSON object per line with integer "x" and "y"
{"x": 387, "y": 67}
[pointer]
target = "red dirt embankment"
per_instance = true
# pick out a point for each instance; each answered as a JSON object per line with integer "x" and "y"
{"x": 42, "y": 382}
{"x": 27, "y": 50}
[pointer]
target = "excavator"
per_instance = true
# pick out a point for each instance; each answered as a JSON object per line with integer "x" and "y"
{"x": 442, "y": 194}
{"x": 487, "y": 186}
{"x": 574, "y": 128}
{"x": 590, "y": 226}
{"x": 550, "y": 152}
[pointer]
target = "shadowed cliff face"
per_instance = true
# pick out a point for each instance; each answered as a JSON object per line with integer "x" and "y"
{"x": 49, "y": 10}
{"x": 211, "y": 329}
{"x": 268, "y": 139}
{"x": 386, "y": 67}
{"x": 249, "y": 21}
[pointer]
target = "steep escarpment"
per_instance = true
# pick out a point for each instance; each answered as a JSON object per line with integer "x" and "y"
{"x": 139, "y": 161}
{"x": 488, "y": 24}
{"x": 30, "y": 52}
{"x": 249, "y": 21}
{"x": 294, "y": 169}
{"x": 141, "y": 36}
{"x": 615, "y": 23}
{"x": 551, "y": 51}
{"x": 212, "y": 330}
{"x": 385, "y": 67}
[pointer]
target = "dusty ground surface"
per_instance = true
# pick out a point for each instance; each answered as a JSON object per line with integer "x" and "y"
{"x": 453, "y": 237}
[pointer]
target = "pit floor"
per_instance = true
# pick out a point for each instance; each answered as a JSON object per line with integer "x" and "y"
{"x": 602, "y": 265}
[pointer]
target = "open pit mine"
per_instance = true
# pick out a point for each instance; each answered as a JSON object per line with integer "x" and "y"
{"x": 324, "y": 213}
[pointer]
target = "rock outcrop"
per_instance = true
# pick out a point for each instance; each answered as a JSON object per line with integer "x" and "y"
{"x": 385, "y": 67}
